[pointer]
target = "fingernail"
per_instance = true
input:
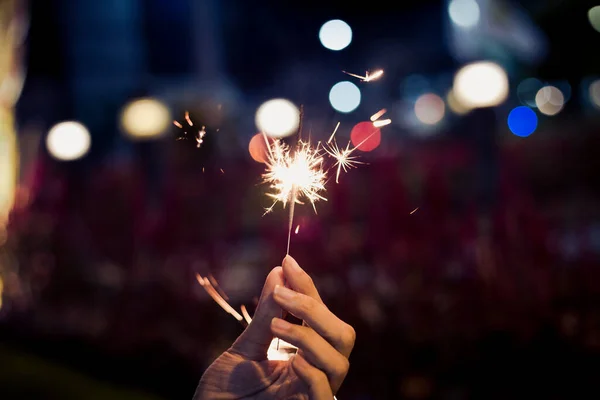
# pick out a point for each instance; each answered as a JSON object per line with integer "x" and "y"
{"x": 279, "y": 324}
{"x": 290, "y": 262}
{"x": 284, "y": 293}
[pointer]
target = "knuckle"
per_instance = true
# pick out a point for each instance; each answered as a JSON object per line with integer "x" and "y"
{"x": 348, "y": 336}
{"x": 342, "y": 367}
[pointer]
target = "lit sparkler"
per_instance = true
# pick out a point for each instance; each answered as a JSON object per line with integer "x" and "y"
{"x": 294, "y": 176}
{"x": 369, "y": 77}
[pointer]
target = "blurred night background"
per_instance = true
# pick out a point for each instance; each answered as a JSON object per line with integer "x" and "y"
{"x": 465, "y": 250}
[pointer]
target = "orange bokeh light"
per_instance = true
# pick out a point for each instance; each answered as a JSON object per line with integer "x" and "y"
{"x": 365, "y": 136}
{"x": 258, "y": 148}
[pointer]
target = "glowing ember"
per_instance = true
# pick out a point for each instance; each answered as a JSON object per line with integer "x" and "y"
{"x": 378, "y": 115}
{"x": 383, "y": 122}
{"x": 297, "y": 229}
{"x": 199, "y": 137}
{"x": 368, "y": 76}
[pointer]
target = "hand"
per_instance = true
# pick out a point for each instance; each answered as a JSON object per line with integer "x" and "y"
{"x": 324, "y": 344}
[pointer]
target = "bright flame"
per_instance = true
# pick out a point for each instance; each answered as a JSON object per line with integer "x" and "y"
{"x": 293, "y": 176}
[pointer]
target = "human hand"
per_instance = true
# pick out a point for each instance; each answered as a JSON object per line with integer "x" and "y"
{"x": 324, "y": 344}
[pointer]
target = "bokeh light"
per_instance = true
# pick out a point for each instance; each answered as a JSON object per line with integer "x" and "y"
{"x": 344, "y": 96}
{"x": 522, "y": 121}
{"x": 456, "y": 106}
{"x": 278, "y": 118}
{"x": 258, "y": 148}
{"x": 594, "y": 92}
{"x": 594, "y": 17}
{"x": 335, "y": 35}
{"x": 68, "y": 141}
{"x": 365, "y": 136}
{"x": 549, "y": 100}
{"x": 527, "y": 90}
{"x": 481, "y": 84}
{"x": 464, "y": 13}
{"x": 145, "y": 118}
{"x": 430, "y": 108}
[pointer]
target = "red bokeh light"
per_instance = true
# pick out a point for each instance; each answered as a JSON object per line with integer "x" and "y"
{"x": 365, "y": 136}
{"x": 258, "y": 148}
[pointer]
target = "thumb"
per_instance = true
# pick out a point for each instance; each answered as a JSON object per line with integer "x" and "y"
{"x": 254, "y": 342}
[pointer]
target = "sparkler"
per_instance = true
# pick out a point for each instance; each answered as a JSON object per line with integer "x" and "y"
{"x": 368, "y": 76}
{"x": 294, "y": 176}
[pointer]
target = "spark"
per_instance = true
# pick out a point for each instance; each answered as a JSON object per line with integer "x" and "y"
{"x": 377, "y": 115}
{"x": 368, "y": 76}
{"x": 222, "y": 170}
{"x": 294, "y": 176}
{"x": 414, "y": 211}
{"x": 279, "y": 350}
{"x": 297, "y": 229}
{"x": 382, "y": 122}
{"x": 188, "y": 119}
{"x": 215, "y": 284}
{"x": 245, "y": 313}
{"x": 334, "y": 131}
{"x": 200, "y": 136}
{"x": 344, "y": 160}
{"x": 205, "y": 283}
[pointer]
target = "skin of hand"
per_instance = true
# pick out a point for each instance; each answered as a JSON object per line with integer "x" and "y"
{"x": 324, "y": 344}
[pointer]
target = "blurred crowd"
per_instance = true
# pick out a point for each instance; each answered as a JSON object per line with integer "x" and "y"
{"x": 452, "y": 297}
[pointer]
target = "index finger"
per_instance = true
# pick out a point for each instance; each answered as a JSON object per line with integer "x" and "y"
{"x": 298, "y": 280}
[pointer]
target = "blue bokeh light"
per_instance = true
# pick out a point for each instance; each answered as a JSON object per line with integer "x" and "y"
{"x": 522, "y": 121}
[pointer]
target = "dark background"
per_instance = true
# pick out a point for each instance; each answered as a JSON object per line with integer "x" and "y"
{"x": 489, "y": 290}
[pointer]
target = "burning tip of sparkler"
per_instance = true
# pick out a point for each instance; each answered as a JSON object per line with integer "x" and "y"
{"x": 414, "y": 211}
{"x": 294, "y": 175}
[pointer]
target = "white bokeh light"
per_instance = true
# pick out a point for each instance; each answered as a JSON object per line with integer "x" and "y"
{"x": 145, "y": 118}
{"x": 344, "y": 96}
{"x": 481, "y": 84}
{"x": 277, "y": 118}
{"x": 549, "y": 100}
{"x": 464, "y": 13}
{"x": 430, "y": 108}
{"x": 335, "y": 35}
{"x": 68, "y": 141}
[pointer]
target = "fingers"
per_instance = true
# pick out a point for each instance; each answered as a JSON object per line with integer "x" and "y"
{"x": 315, "y": 379}
{"x": 298, "y": 279}
{"x": 317, "y": 316}
{"x": 254, "y": 342}
{"x": 316, "y": 350}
